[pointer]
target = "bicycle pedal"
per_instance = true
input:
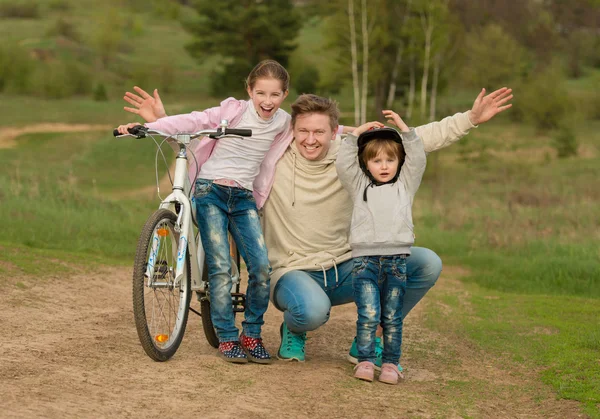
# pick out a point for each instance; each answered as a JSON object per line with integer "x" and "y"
{"x": 238, "y": 300}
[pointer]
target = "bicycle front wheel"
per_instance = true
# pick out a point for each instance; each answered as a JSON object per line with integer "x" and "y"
{"x": 160, "y": 302}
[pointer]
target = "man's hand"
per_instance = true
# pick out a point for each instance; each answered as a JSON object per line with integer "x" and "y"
{"x": 486, "y": 107}
{"x": 366, "y": 127}
{"x": 148, "y": 107}
{"x": 395, "y": 119}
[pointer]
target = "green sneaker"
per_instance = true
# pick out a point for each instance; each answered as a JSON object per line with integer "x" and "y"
{"x": 292, "y": 345}
{"x": 353, "y": 354}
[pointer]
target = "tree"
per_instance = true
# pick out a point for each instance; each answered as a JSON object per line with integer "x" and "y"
{"x": 242, "y": 33}
{"x": 492, "y": 57}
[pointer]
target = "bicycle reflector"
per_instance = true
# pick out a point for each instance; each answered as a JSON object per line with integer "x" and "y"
{"x": 161, "y": 338}
{"x": 162, "y": 232}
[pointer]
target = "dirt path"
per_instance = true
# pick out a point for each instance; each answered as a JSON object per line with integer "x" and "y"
{"x": 8, "y": 135}
{"x": 70, "y": 350}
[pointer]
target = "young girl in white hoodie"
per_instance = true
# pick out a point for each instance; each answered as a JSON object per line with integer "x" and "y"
{"x": 382, "y": 170}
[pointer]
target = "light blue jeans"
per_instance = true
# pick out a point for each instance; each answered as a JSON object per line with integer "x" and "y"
{"x": 379, "y": 286}
{"x": 306, "y": 301}
{"x": 220, "y": 209}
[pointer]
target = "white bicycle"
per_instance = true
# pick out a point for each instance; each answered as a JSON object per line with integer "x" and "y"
{"x": 170, "y": 261}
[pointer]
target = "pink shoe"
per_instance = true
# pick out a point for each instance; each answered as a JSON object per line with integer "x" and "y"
{"x": 364, "y": 371}
{"x": 390, "y": 374}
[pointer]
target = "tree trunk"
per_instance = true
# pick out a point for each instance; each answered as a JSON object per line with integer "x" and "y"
{"x": 428, "y": 29}
{"x": 353, "y": 54}
{"x": 411, "y": 87}
{"x": 392, "y": 90}
{"x": 380, "y": 89}
{"x": 434, "y": 83}
{"x": 365, "y": 59}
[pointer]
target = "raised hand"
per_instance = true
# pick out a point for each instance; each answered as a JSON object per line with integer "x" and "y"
{"x": 486, "y": 107}
{"x": 394, "y": 119}
{"x": 365, "y": 127}
{"x": 148, "y": 107}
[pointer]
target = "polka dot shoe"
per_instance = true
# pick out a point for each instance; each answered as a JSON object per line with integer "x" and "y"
{"x": 232, "y": 352}
{"x": 255, "y": 350}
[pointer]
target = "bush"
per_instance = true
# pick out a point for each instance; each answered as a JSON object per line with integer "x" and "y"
{"x": 65, "y": 29}
{"x": 100, "y": 94}
{"x": 565, "y": 142}
{"x": 57, "y": 80}
{"x": 23, "y": 10}
{"x": 16, "y": 68}
{"x": 308, "y": 80}
{"x": 544, "y": 99}
{"x": 492, "y": 58}
{"x": 59, "y": 5}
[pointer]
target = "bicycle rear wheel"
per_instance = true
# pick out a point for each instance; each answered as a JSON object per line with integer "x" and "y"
{"x": 207, "y": 325}
{"x": 160, "y": 304}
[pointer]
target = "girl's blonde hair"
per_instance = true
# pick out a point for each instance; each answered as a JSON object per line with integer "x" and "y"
{"x": 269, "y": 69}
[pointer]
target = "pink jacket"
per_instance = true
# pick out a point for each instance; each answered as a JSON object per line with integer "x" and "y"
{"x": 232, "y": 110}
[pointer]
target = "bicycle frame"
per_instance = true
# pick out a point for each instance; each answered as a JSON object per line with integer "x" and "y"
{"x": 184, "y": 226}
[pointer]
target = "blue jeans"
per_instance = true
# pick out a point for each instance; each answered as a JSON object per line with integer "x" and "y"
{"x": 220, "y": 209}
{"x": 379, "y": 286}
{"x": 306, "y": 301}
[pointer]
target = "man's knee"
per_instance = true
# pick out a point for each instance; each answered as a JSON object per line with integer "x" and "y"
{"x": 425, "y": 268}
{"x": 308, "y": 316}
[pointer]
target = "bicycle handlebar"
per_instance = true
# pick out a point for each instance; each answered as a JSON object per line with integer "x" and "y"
{"x": 140, "y": 131}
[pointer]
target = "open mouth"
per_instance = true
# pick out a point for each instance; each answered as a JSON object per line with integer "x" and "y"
{"x": 266, "y": 111}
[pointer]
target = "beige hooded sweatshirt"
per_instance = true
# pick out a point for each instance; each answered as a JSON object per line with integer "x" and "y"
{"x": 306, "y": 219}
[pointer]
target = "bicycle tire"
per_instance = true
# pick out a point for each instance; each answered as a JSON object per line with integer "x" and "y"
{"x": 209, "y": 329}
{"x": 160, "y": 311}
{"x": 207, "y": 325}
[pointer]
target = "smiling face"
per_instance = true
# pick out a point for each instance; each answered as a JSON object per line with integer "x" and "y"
{"x": 313, "y": 135}
{"x": 383, "y": 166}
{"x": 267, "y": 95}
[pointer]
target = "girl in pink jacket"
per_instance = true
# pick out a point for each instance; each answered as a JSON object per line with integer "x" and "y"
{"x": 232, "y": 180}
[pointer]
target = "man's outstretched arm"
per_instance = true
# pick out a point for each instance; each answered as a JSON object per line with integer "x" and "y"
{"x": 437, "y": 135}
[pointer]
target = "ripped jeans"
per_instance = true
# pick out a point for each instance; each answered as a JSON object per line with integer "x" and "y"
{"x": 306, "y": 301}
{"x": 220, "y": 209}
{"x": 379, "y": 284}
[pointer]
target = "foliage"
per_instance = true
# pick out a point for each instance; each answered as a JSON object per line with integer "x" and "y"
{"x": 544, "y": 99}
{"x": 59, "y": 5}
{"x": 59, "y": 80}
{"x": 492, "y": 58}
{"x": 242, "y": 33}
{"x": 108, "y": 35}
{"x": 20, "y": 10}
{"x": 15, "y": 69}
{"x": 100, "y": 92}
{"x": 582, "y": 48}
{"x": 565, "y": 142}
{"x": 66, "y": 29}
{"x": 308, "y": 80}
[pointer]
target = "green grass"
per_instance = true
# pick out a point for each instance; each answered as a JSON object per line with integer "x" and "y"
{"x": 555, "y": 336}
{"x": 525, "y": 224}
{"x": 56, "y": 191}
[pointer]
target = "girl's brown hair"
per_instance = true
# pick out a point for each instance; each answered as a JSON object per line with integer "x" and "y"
{"x": 269, "y": 69}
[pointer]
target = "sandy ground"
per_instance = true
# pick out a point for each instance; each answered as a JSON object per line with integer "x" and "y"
{"x": 70, "y": 350}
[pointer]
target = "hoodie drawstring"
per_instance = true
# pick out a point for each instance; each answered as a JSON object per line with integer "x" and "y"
{"x": 294, "y": 180}
{"x": 325, "y": 272}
